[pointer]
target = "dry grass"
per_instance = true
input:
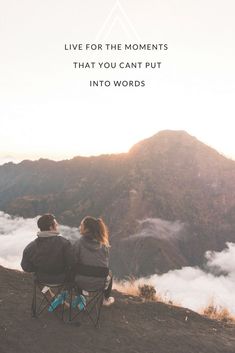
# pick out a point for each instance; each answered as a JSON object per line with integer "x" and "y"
{"x": 217, "y": 312}
{"x": 140, "y": 289}
{"x": 127, "y": 287}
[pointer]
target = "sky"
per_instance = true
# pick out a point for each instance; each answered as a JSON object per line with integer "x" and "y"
{"x": 48, "y": 109}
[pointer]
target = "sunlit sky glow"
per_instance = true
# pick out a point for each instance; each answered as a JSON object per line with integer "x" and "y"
{"x": 47, "y": 108}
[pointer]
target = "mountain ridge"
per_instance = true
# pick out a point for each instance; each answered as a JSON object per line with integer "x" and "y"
{"x": 161, "y": 136}
{"x": 169, "y": 177}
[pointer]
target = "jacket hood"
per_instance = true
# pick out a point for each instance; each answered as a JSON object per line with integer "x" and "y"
{"x": 47, "y": 234}
{"x": 89, "y": 243}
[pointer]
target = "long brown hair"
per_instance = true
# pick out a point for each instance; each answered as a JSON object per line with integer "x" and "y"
{"x": 95, "y": 228}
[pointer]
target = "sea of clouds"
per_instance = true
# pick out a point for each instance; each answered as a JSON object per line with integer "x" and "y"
{"x": 191, "y": 287}
{"x": 17, "y": 232}
{"x": 195, "y": 288}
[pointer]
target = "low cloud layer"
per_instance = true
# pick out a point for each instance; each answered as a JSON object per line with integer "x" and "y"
{"x": 16, "y": 233}
{"x": 191, "y": 287}
{"x": 195, "y": 288}
{"x": 159, "y": 228}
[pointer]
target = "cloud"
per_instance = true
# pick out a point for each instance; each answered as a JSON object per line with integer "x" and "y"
{"x": 159, "y": 228}
{"x": 194, "y": 288}
{"x": 16, "y": 233}
{"x": 222, "y": 262}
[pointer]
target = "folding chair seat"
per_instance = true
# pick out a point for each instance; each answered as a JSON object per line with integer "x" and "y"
{"x": 93, "y": 298}
{"x": 40, "y": 300}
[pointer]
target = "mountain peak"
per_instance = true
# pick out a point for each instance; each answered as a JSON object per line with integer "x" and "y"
{"x": 163, "y": 140}
{"x": 171, "y": 176}
{"x": 176, "y": 142}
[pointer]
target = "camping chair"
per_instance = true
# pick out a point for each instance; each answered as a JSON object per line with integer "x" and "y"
{"x": 93, "y": 298}
{"x": 40, "y": 305}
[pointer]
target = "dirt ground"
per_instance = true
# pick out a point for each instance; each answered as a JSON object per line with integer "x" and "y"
{"x": 129, "y": 326}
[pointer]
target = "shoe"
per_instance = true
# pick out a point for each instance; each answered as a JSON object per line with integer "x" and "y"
{"x": 79, "y": 301}
{"x": 60, "y": 299}
{"x": 45, "y": 289}
{"x": 108, "y": 301}
{"x": 84, "y": 292}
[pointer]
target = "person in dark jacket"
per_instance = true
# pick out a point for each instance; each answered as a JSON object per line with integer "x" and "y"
{"x": 50, "y": 256}
{"x": 92, "y": 254}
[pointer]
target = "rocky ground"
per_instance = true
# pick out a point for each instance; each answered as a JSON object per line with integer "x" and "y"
{"x": 129, "y": 326}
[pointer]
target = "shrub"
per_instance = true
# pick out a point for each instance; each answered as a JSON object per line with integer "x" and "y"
{"x": 147, "y": 292}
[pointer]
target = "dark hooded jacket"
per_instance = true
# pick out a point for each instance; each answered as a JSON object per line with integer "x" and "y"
{"x": 49, "y": 257}
{"x": 90, "y": 252}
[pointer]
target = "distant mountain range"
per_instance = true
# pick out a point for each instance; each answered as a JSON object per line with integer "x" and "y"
{"x": 166, "y": 201}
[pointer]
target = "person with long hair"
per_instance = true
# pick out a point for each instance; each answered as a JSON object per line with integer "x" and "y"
{"x": 92, "y": 258}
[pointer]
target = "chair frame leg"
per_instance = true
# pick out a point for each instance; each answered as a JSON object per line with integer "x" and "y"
{"x": 34, "y": 301}
{"x": 36, "y": 309}
{"x": 95, "y": 303}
